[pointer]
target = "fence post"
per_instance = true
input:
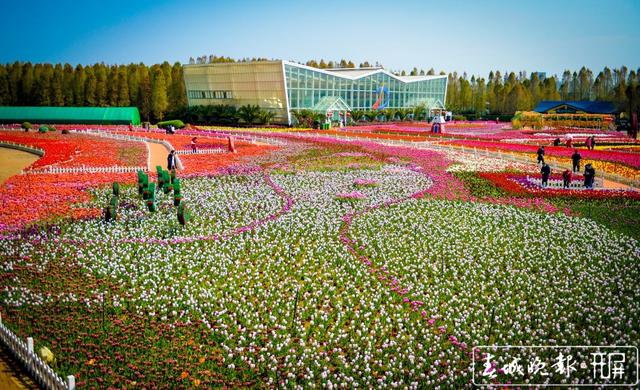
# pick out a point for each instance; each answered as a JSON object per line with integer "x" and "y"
{"x": 71, "y": 382}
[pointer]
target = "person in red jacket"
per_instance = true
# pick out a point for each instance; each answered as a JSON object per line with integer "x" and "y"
{"x": 567, "y": 175}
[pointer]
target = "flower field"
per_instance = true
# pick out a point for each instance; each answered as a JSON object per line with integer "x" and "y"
{"x": 317, "y": 263}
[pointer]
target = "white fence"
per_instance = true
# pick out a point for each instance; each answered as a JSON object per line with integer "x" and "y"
{"x": 85, "y": 169}
{"x": 556, "y": 183}
{"x": 24, "y": 148}
{"x": 36, "y": 367}
{"x": 203, "y": 151}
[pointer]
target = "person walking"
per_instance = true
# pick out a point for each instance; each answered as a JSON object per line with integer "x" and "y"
{"x": 575, "y": 158}
{"x": 588, "y": 143}
{"x": 546, "y": 171}
{"x": 193, "y": 144}
{"x": 567, "y": 175}
{"x": 569, "y": 140}
{"x": 556, "y": 142}
{"x": 540, "y": 153}
{"x": 171, "y": 161}
{"x": 589, "y": 176}
{"x": 593, "y": 142}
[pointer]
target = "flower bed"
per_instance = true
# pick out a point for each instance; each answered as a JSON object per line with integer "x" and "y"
{"x": 629, "y": 159}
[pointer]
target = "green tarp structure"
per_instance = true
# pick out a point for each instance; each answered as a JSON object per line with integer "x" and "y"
{"x": 87, "y": 115}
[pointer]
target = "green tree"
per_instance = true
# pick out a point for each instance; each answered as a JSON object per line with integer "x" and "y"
{"x": 177, "y": 92}
{"x": 67, "y": 85}
{"x": 112, "y": 86}
{"x": 159, "y": 101}
{"x": 90, "y": 86}
{"x": 26, "y": 85}
{"x": 102, "y": 91}
{"x": 123, "y": 87}
{"x": 4, "y": 86}
{"x": 144, "y": 93}
{"x": 57, "y": 82}
{"x": 79, "y": 80}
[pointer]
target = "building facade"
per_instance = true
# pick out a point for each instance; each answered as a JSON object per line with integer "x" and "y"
{"x": 283, "y": 86}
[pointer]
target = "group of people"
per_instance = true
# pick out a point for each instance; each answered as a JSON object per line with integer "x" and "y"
{"x": 589, "y": 172}
{"x": 591, "y": 143}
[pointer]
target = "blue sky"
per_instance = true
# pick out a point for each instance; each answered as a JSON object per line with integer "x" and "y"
{"x": 472, "y": 36}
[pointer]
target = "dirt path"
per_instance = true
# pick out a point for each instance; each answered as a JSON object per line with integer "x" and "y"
{"x": 157, "y": 156}
{"x": 12, "y": 376}
{"x": 12, "y": 161}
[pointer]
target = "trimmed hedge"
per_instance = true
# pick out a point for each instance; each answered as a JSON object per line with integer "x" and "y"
{"x": 178, "y": 124}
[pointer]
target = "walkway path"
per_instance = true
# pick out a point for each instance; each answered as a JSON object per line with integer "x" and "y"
{"x": 157, "y": 155}
{"x": 12, "y": 376}
{"x": 13, "y": 161}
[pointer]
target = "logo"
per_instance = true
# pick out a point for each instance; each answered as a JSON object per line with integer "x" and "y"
{"x": 383, "y": 98}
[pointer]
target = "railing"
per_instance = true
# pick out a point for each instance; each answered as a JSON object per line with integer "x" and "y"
{"x": 24, "y": 148}
{"x": 203, "y": 151}
{"x": 35, "y": 366}
{"x": 557, "y": 183}
{"x": 85, "y": 169}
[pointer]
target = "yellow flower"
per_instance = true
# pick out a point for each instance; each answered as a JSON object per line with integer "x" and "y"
{"x": 196, "y": 382}
{"x": 46, "y": 355}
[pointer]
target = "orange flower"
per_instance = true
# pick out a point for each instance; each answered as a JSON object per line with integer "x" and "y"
{"x": 196, "y": 382}
{"x": 201, "y": 360}
{"x": 184, "y": 375}
{"x": 190, "y": 342}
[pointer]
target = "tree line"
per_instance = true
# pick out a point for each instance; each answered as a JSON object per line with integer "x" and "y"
{"x": 153, "y": 89}
{"x": 508, "y": 93}
{"x": 158, "y": 90}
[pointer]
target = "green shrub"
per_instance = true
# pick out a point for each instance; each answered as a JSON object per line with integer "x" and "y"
{"x": 43, "y": 129}
{"x": 51, "y": 128}
{"x": 178, "y": 124}
{"x": 26, "y": 126}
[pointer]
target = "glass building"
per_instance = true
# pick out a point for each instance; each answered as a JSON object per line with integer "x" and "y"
{"x": 283, "y": 86}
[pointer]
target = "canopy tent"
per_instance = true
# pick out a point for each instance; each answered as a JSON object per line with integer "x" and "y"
{"x": 88, "y": 115}
{"x": 331, "y": 104}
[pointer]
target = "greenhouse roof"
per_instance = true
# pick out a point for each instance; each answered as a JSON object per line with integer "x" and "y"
{"x": 89, "y": 115}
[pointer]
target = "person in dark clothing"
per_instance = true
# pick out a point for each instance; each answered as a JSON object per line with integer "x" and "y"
{"x": 575, "y": 158}
{"x": 593, "y": 142}
{"x": 171, "y": 161}
{"x": 589, "y": 176}
{"x": 546, "y": 171}
{"x": 541, "y": 155}
{"x": 556, "y": 142}
{"x": 566, "y": 178}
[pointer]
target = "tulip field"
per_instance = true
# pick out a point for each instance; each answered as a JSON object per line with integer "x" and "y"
{"x": 311, "y": 262}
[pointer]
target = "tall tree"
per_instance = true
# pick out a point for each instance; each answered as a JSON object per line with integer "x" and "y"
{"x": 159, "y": 101}
{"x": 102, "y": 91}
{"x": 57, "y": 85}
{"x": 144, "y": 93}
{"x": 79, "y": 80}
{"x": 123, "y": 87}
{"x": 177, "y": 92}
{"x": 90, "y": 87}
